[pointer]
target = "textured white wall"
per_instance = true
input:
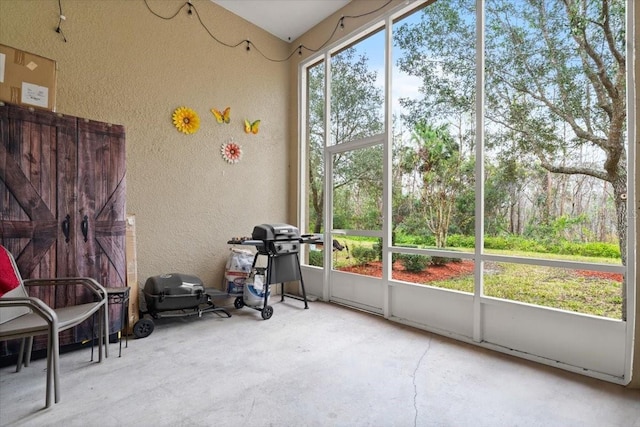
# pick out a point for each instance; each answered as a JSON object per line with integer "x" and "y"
{"x": 123, "y": 65}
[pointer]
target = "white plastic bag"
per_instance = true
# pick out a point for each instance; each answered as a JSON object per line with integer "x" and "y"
{"x": 258, "y": 282}
{"x": 237, "y": 270}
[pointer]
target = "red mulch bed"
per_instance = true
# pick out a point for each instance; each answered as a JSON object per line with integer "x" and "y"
{"x": 447, "y": 271}
{"x": 616, "y": 277}
{"x": 432, "y": 273}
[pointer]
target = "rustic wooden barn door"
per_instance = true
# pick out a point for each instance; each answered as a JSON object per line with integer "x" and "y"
{"x": 101, "y": 202}
{"x": 62, "y": 202}
{"x": 37, "y": 169}
{"x": 38, "y": 162}
{"x": 101, "y": 206}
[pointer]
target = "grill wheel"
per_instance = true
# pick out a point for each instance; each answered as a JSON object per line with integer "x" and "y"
{"x": 143, "y": 328}
{"x": 267, "y": 312}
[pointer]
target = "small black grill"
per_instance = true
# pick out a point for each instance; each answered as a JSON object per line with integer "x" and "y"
{"x": 277, "y": 239}
{"x": 280, "y": 243}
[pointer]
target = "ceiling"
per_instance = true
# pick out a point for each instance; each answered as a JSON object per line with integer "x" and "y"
{"x": 286, "y": 19}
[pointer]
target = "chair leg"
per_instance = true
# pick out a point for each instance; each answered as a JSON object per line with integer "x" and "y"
{"x": 20, "y": 355}
{"x": 50, "y": 381}
{"x": 24, "y": 354}
{"x": 55, "y": 362}
{"x": 27, "y": 355}
{"x": 100, "y": 334}
{"x": 106, "y": 330}
{"x": 93, "y": 334}
{"x": 50, "y": 370}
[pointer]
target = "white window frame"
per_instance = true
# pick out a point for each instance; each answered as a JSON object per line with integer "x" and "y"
{"x": 479, "y": 299}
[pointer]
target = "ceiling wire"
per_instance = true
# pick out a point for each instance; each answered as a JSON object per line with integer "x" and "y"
{"x": 191, "y": 8}
{"x": 60, "y": 19}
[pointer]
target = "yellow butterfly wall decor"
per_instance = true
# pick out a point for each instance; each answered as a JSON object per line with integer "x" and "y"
{"x": 251, "y": 127}
{"x": 222, "y": 116}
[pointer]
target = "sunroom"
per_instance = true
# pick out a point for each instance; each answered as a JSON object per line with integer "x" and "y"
{"x": 474, "y": 161}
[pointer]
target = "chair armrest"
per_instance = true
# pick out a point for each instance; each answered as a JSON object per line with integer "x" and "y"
{"x": 36, "y": 304}
{"x": 96, "y": 288}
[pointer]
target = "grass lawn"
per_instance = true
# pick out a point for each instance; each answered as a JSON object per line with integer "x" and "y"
{"x": 584, "y": 292}
{"x": 547, "y": 286}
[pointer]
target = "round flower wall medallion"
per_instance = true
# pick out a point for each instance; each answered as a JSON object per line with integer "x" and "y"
{"x": 186, "y": 120}
{"x": 231, "y": 152}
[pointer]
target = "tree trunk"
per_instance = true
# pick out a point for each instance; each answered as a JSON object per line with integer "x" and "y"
{"x": 317, "y": 202}
{"x": 317, "y": 227}
{"x": 619, "y": 184}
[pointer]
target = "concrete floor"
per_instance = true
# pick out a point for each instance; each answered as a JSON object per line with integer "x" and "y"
{"x": 326, "y": 366}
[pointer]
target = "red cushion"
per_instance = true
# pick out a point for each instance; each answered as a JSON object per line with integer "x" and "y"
{"x": 8, "y": 277}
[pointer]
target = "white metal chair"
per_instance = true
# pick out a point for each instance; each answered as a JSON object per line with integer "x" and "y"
{"x": 22, "y": 316}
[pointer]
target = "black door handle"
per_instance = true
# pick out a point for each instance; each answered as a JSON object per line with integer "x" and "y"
{"x": 66, "y": 226}
{"x": 84, "y": 226}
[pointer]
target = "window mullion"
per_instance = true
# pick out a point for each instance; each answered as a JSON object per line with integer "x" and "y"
{"x": 479, "y": 173}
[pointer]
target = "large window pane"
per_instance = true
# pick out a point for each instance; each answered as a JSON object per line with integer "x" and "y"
{"x": 357, "y": 96}
{"x": 433, "y": 81}
{"x": 315, "y": 142}
{"x": 357, "y": 254}
{"x": 555, "y": 150}
{"x": 556, "y": 180}
{"x": 555, "y": 132}
{"x": 357, "y": 189}
{"x": 443, "y": 272}
{"x": 583, "y": 291}
{"x": 357, "y": 206}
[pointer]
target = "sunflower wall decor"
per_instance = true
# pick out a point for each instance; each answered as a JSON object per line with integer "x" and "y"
{"x": 231, "y": 152}
{"x": 186, "y": 120}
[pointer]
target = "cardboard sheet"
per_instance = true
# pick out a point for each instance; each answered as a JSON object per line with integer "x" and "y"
{"x": 27, "y": 79}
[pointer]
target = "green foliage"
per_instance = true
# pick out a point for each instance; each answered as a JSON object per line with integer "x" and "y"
{"x": 414, "y": 263}
{"x": 427, "y": 240}
{"x": 363, "y": 254}
{"x": 558, "y": 229}
{"x": 316, "y": 258}
{"x": 566, "y": 222}
{"x": 439, "y": 164}
{"x": 442, "y": 260}
{"x": 508, "y": 243}
{"x": 497, "y": 242}
{"x": 412, "y": 226}
{"x": 552, "y": 246}
{"x": 592, "y": 249}
{"x": 461, "y": 241}
{"x": 377, "y": 246}
{"x": 463, "y": 220}
{"x": 363, "y": 239}
{"x": 409, "y": 240}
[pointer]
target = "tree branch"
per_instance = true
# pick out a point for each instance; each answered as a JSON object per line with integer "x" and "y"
{"x": 603, "y": 102}
{"x": 580, "y": 36}
{"x": 609, "y": 36}
{"x": 564, "y": 115}
{"x": 571, "y": 170}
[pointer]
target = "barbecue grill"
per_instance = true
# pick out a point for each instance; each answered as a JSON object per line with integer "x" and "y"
{"x": 280, "y": 243}
{"x": 174, "y": 295}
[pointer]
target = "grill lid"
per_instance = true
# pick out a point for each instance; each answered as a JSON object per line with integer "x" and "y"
{"x": 272, "y": 232}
